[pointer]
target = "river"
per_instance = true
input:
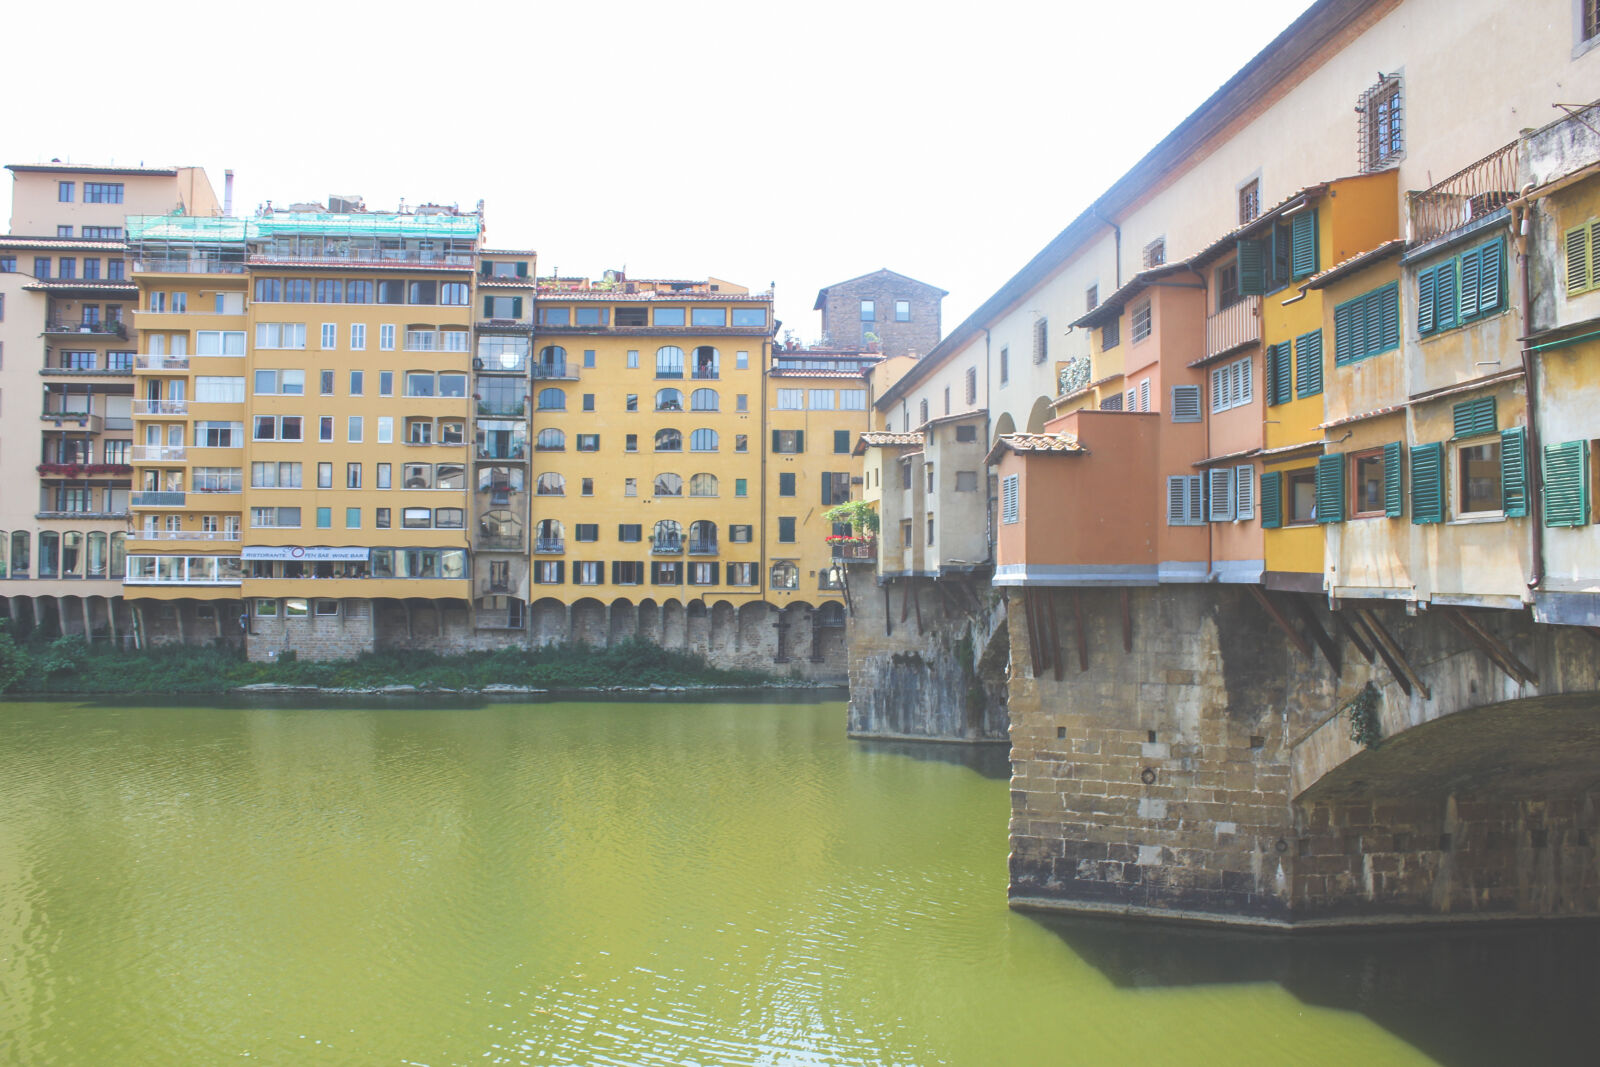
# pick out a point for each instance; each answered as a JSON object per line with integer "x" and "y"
{"x": 642, "y": 883}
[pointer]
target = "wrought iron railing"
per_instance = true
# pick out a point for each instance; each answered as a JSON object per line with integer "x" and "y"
{"x": 1469, "y": 194}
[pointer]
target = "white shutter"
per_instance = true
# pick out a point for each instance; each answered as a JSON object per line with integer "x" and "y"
{"x": 1177, "y": 501}
{"x": 1247, "y": 394}
{"x": 1221, "y": 494}
{"x": 1219, "y": 389}
{"x": 1008, "y": 499}
{"x": 1130, "y": 406}
{"x": 1197, "y": 492}
{"x": 1144, "y": 395}
{"x": 1185, "y": 403}
{"x": 1244, "y": 491}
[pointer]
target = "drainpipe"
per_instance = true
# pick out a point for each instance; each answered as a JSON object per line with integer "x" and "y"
{"x": 1535, "y": 453}
{"x": 1117, "y": 230}
{"x": 988, "y": 423}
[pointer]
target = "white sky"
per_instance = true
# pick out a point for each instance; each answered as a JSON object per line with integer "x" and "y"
{"x": 801, "y": 144}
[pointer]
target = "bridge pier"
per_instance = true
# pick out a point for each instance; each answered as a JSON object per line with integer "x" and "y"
{"x": 1185, "y": 753}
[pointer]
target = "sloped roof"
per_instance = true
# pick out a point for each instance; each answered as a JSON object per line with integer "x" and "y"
{"x": 885, "y": 439}
{"x": 1061, "y": 444}
{"x": 822, "y": 293}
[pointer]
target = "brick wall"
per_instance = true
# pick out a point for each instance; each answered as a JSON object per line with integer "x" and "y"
{"x": 841, "y": 313}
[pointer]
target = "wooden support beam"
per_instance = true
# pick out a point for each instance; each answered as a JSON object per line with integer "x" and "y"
{"x": 1029, "y": 614}
{"x": 1127, "y": 620}
{"x": 1278, "y": 617}
{"x": 1330, "y": 647}
{"x": 1077, "y": 625}
{"x": 916, "y": 602}
{"x": 1355, "y": 638}
{"x": 1049, "y": 598}
{"x": 1396, "y": 656}
{"x": 1401, "y": 678}
{"x": 888, "y": 615}
{"x": 1492, "y": 647}
{"x": 905, "y": 599}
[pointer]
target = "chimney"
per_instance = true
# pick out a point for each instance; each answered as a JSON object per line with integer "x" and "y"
{"x": 227, "y": 192}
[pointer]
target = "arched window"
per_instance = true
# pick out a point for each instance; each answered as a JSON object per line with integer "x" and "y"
{"x": 668, "y": 536}
{"x": 669, "y": 400}
{"x": 95, "y": 561}
{"x": 669, "y": 362}
{"x": 551, "y": 484}
{"x": 703, "y": 400}
{"x": 21, "y": 563}
{"x": 703, "y": 440}
{"x": 669, "y": 485}
{"x": 702, "y": 537}
{"x": 785, "y": 575}
{"x": 49, "y": 554}
{"x": 552, "y": 362}
{"x": 550, "y": 439}
{"x": 703, "y": 485}
{"x": 552, "y": 400}
{"x": 669, "y": 441}
{"x": 707, "y": 362}
{"x": 502, "y": 527}
{"x": 549, "y": 536}
{"x": 119, "y": 552}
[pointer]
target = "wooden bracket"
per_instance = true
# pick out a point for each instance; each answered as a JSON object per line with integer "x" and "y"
{"x": 1049, "y": 598}
{"x": 916, "y": 602}
{"x": 1127, "y": 620}
{"x": 1330, "y": 647}
{"x": 1393, "y": 655}
{"x": 1349, "y": 630}
{"x": 888, "y": 616}
{"x": 1077, "y": 626}
{"x": 1497, "y": 651}
{"x": 1277, "y": 616}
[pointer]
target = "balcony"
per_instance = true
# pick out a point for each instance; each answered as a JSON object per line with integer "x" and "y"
{"x": 160, "y": 362}
{"x": 150, "y": 499}
{"x": 666, "y": 546}
{"x": 854, "y": 549}
{"x": 100, "y": 329}
{"x": 158, "y": 453}
{"x": 339, "y": 256}
{"x": 502, "y": 542}
{"x": 81, "y": 420}
{"x": 501, "y": 452}
{"x": 1233, "y": 327}
{"x": 503, "y": 410}
{"x": 191, "y": 265}
{"x": 501, "y": 363}
{"x": 548, "y": 371}
{"x": 161, "y": 407}
{"x": 1474, "y": 191}
{"x": 85, "y": 364}
{"x": 702, "y": 548}
{"x": 185, "y": 535}
{"x": 550, "y": 544}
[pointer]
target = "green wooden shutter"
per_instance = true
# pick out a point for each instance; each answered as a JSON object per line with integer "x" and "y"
{"x": 1578, "y": 265}
{"x": 1303, "y": 243}
{"x": 1491, "y": 264}
{"x": 1394, "y": 500}
{"x": 1271, "y": 499}
{"x": 1308, "y": 364}
{"x": 841, "y": 441}
{"x": 1425, "y": 301}
{"x": 484, "y": 267}
{"x": 1473, "y": 417}
{"x": 1344, "y": 340}
{"x": 1330, "y": 488}
{"x": 1566, "y": 484}
{"x": 799, "y": 440}
{"x": 1427, "y": 483}
{"x": 516, "y": 307}
{"x": 488, "y": 307}
{"x": 1514, "y": 473}
{"x": 1252, "y": 268}
{"x": 1388, "y": 314}
{"x": 774, "y": 441}
{"x": 1469, "y": 284}
{"x": 522, "y": 270}
{"x": 1278, "y": 373}
{"x": 1444, "y": 302}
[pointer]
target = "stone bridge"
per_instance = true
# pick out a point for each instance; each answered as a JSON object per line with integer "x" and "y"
{"x": 1187, "y": 751}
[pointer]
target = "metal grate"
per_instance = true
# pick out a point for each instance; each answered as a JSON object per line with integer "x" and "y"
{"x": 1382, "y": 126}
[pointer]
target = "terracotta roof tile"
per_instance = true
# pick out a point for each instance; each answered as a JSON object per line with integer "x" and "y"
{"x": 1355, "y": 262}
{"x": 885, "y": 439}
{"x": 1057, "y": 443}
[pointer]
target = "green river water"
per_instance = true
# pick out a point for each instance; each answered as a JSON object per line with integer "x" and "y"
{"x": 642, "y": 883}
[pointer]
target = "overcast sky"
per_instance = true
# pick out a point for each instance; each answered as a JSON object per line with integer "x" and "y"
{"x": 796, "y": 144}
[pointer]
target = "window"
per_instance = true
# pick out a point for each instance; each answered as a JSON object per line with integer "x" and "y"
{"x": 1249, "y": 201}
{"x": 1231, "y": 385}
{"x": 588, "y": 442}
{"x": 1280, "y": 375}
{"x": 841, "y": 442}
{"x": 552, "y": 400}
{"x": 277, "y": 428}
{"x": 324, "y": 518}
{"x": 1367, "y": 484}
{"x": 1185, "y": 403}
{"x": 386, "y": 338}
{"x": 630, "y": 442}
{"x": 449, "y": 518}
{"x": 213, "y": 389}
{"x": 627, "y": 572}
{"x": 64, "y": 191}
{"x": 297, "y": 290}
{"x": 788, "y": 442}
{"x": 67, "y": 267}
{"x": 419, "y": 431}
{"x": 972, "y": 385}
{"x": 1302, "y": 492}
{"x": 588, "y": 572}
{"x": 740, "y": 534}
{"x": 741, "y": 442}
{"x": 219, "y": 342}
{"x": 669, "y": 440}
{"x": 1382, "y": 128}
{"x": 1141, "y": 321}
{"x": 380, "y": 518}
{"x": 275, "y": 475}
{"x": 358, "y": 336}
{"x": 741, "y": 360}
{"x": 352, "y": 476}
{"x": 869, "y": 312}
{"x": 1185, "y": 495}
{"x": 588, "y": 487}
{"x": 786, "y": 484}
{"x": 786, "y": 529}
{"x": 280, "y": 335}
{"x": 384, "y": 475}
{"x": 1010, "y": 498}
{"x": 791, "y": 399}
{"x": 708, "y": 317}
{"x": 902, "y": 311}
{"x": 669, "y": 400}
{"x": 741, "y": 487}
{"x": 966, "y": 481}
{"x": 1005, "y": 367}
{"x": 820, "y": 399}
{"x": 588, "y": 401}
{"x": 630, "y": 532}
{"x": 1566, "y": 471}
{"x": 1220, "y": 481}
{"x": 666, "y": 317}
{"x": 325, "y": 428}
{"x": 102, "y": 192}
{"x": 353, "y": 429}
{"x": 416, "y": 518}
{"x": 668, "y": 485}
{"x": 1155, "y": 253}
{"x": 1110, "y": 335}
{"x": 703, "y": 485}
{"x": 1464, "y": 288}
{"x": 1367, "y": 325}
{"x": 703, "y": 440}
{"x": 385, "y": 429}
{"x": 1041, "y": 340}
{"x": 669, "y": 362}
{"x": 550, "y": 439}
{"x": 1244, "y": 489}
{"x": 275, "y": 518}
{"x": 324, "y": 475}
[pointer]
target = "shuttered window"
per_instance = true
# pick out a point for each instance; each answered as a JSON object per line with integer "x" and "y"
{"x": 1394, "y": 501}
{"x": 1144, "y": 395}
{"x": 1472, "y": 285}
{"x": 1514, "y": 473}
{"x": 1185, "y": 403}
{"x": 1308, "y": 364}
{"x": 1271, "y": 499}
{"x": 1367, "y": 325}
{"x": 1280, "y": 384}
{"x": 1303, "y": 244}
{"x": 1244, "y": 491}
{"x": 1566, "y": 484}
{"x": 1580, "y": 242}
{"x": 1436, "y": 298}
{"x": 1185, "y": 500}
{"x": 1009, "y": 505}
{"x": 1232, "y": 385}
{"x": 1427, "y": 483}
{"x": 1221, "y": 487}
{"x": 1475, "y": 417}
{"x": 1252, "y": 268}
{"x": 1330, "y": 488}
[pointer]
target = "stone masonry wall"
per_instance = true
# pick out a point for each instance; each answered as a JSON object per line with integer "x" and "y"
{"x": 841, "y": 314}
{"x": 938, "y": 674}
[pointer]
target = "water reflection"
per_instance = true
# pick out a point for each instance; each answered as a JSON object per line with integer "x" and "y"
{"x": 992, "y": 760}
{"x": 1489, "y": 995}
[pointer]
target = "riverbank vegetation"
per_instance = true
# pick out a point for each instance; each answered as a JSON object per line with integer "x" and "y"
{"x": 67, "y": 665}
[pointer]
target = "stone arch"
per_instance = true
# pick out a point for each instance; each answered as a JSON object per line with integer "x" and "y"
{"x": 547, "y": 622}
{"x": 1039, "y": 415}
{"x": 674, "y": 625}
{"x": 794, "y": 632}
{"x": 1002, "y": 426}
{"x": 589, "y": 623}
{"x": 827, "y": 634}
{"x": 699, "y": 627}
{"x": 724, "y": 627}
{"x": 624, "y": 621}
{"x": 755, "y": 628}
{"x": 649, "y": 621}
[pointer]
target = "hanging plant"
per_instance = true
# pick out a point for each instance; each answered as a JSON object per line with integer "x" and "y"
{"x": 1363, "y": 709}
